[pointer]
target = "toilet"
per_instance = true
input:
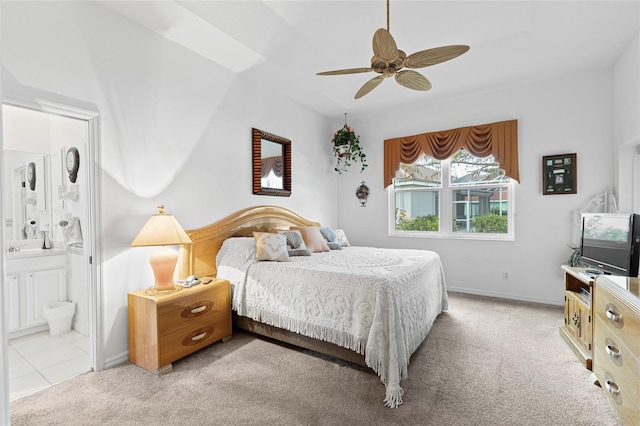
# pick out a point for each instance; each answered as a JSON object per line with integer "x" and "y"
{"x": 59, "y": 316}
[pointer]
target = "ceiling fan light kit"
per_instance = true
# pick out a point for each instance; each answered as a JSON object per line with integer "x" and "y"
{"x": 389, "y": 61}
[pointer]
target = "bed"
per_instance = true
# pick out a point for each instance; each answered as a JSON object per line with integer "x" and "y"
{"x": 369, "y": 306}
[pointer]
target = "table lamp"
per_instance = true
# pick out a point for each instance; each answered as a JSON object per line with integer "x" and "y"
{"x": 162, "y": 230}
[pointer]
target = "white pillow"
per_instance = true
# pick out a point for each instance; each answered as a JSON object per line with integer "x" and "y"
{"x": 271, "y": 246}
{"x": 342, "y": 237}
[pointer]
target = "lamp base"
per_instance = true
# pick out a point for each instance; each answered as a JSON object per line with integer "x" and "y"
{"x": 163, "y": 262}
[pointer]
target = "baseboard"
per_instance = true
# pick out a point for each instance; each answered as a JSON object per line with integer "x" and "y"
{"x": 118, "y": 359}
{"x": 80, "y": 328}
{"x": 508, "y": 296}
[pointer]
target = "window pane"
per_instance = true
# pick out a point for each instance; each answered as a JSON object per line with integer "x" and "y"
{"x": 482, "y": 210}
{"x": 424, "y": 173}
{"x": 467, "y": 169}
{"x": 417, "y": 211}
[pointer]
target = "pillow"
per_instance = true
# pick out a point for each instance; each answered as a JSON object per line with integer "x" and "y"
{"x": 295, "y": 243}
{"x": 342, "y": 238}
{"x": 332, "y": 240}
{"x": 312, "y": 238}
{"x": 271, "y": 246}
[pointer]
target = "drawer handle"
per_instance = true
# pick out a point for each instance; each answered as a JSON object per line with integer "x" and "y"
{"x": 198, "y": 309}
{"x": 612, "y": 351}
{"x": 199, "y": 336}
{"x": 612, "y": 387}
{"x": 614, "y": 316}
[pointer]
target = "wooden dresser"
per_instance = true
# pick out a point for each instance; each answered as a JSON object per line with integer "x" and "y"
{"x": 166, "y": 326}
{"x": 616, "y": 355}
{"x": 577, "y": 330}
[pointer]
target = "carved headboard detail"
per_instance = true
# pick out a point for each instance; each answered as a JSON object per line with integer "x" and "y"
{"x": 199, "y": 258}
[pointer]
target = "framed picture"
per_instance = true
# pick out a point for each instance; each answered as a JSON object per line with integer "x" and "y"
{"x": 559, "y": 174}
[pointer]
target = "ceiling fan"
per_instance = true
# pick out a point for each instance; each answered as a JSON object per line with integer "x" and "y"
{"x": 389, "y": 61}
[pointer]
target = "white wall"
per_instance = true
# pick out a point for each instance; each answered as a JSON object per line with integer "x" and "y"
{"x": 176, "y": 129}
{"x": 626, "y": 126}
{"x": 572, "y": 114}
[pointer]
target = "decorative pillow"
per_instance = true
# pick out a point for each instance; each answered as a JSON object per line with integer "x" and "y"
{"x": 312, "y": 238}
{"x": 342, "y": 238}
{"x": 330, "y": 236}
{"x": 295, "y": 243}
{"x": 271, "y": 246}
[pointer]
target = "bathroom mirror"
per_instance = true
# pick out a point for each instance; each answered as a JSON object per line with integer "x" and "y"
{"x": 271, "y": 164}
{"x": 25, "y": 204}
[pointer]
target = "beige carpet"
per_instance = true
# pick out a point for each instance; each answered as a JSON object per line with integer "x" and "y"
{"x": 486, "y": 362}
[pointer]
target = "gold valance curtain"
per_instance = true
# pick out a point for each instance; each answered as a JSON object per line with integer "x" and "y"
{"x": 497, "y": 139}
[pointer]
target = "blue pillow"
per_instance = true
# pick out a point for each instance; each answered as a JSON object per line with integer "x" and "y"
{"x": 332, "y": 239}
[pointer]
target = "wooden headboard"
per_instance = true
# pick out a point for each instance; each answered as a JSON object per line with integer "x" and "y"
{"x": 199, "y": 258}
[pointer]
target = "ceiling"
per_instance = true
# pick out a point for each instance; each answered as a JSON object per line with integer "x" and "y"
{"x": 281, "y": 45}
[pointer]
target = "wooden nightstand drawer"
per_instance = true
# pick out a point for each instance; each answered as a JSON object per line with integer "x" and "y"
{"x": 200, "y": 307}
{"x": 183, "y": 342}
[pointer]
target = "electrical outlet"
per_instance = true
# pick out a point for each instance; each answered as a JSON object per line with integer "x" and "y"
{"x": 505, "y": 275}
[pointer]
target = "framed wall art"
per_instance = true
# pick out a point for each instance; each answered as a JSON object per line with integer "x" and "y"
{"x": 559, "y": 174}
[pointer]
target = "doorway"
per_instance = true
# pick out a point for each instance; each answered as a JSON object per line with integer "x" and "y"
{"x": 60, "y": 211}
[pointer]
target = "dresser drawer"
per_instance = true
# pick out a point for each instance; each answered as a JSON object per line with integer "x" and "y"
{"x": 613, "y": 359}
{"x": 621, "y": 319}
{"x": 196, "y": 336}
{"x": 197, "y": 308}
{"x": 616, "y": 390}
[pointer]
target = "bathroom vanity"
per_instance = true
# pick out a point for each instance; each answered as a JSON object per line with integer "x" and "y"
{"x": 34, "y": 277}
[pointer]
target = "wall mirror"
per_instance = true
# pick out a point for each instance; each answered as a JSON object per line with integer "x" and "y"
{"x": 271, "y": 164}
{"x": 25, "y": 203}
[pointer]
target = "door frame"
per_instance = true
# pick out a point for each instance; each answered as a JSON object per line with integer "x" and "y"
{"x": 91, "y": 116}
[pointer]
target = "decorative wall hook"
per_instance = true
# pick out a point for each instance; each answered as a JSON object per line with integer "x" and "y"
{"x": 362, "y": 193}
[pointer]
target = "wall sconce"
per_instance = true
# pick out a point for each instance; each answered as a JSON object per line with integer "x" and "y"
{"x": 362, "y": 193}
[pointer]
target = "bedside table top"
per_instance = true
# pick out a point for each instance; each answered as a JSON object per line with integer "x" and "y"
{"x": 178, "y": 291}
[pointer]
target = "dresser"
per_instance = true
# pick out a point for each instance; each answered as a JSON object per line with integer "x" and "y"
{"x": 616, "y": 340}
{"x": 577, "y": 330}
{"x": 167, "y": 326}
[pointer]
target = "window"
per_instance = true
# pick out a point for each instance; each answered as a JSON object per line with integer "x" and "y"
{"x": 461, "y": 197}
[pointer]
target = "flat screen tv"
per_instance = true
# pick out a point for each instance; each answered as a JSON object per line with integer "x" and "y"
{"x": 611, "y": 243}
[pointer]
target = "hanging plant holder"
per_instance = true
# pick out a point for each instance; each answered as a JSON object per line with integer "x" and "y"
{"x": 347, "y": 149}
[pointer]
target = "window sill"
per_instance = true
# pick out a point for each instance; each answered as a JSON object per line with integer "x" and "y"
{"x": 467, "y": 237}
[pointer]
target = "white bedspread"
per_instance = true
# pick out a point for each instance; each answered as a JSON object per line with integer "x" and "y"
{"x": 380, "y": 302}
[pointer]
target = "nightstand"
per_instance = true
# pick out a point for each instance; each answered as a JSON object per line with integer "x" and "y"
{"x": 167, "y": 326}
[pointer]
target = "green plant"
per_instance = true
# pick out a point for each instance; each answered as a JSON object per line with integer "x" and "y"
{"x": 346, "y": 148}
{"x": 574, "y": 259}
{"x": 491, "y": 224}
{"x": 419, "y": 223}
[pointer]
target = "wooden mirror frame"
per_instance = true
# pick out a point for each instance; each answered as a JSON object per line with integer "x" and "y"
{"x": 258, "y": 189}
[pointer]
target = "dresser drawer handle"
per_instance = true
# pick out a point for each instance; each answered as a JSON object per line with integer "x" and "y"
{"x": 612, "y": 387}
{"x": 614, "y": 316}
{"x": 199, "y": 336}
{"x": 198, "y": 309}
{"x": 612, "y": 351}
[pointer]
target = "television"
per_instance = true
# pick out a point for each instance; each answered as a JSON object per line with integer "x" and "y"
{"x": 610, "y": 243}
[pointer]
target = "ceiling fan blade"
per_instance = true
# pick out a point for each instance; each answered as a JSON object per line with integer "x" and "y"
{"x": 369, "y": 86}
{"x": 346, "y": 71}
{"x": 384, "y": 46}
{"x": 413, "y": 80}
{"x": 434, "y": 56}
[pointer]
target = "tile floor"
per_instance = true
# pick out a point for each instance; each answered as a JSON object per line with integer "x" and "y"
{"x": 38, "y": 360}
